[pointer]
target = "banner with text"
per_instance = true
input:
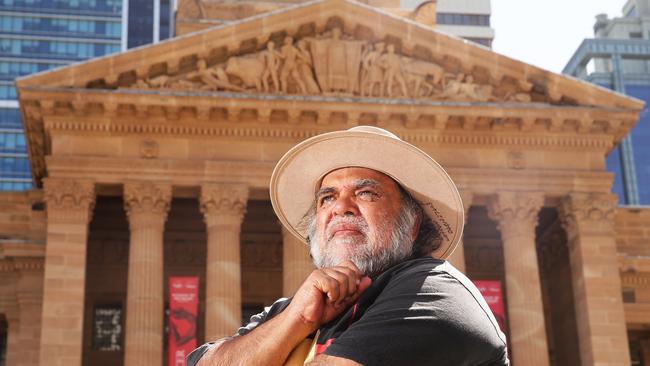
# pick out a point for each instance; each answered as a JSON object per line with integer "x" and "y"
{"x": 183, "y": 311}
{"x": 491, "y": 291}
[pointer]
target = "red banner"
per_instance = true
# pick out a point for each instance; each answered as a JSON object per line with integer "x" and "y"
{"x": 183, "y": 311}
{"x": 491, "y": 291}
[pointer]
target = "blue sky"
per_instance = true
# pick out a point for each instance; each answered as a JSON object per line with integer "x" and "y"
{"x": 546, "y": 33}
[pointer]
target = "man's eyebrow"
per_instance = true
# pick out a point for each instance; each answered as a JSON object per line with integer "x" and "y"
{"x": 323, "y": 191}
{"x": 362, "y": 183}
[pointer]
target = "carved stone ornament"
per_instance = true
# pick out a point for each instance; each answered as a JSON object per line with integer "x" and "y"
{"x": 516, "y": 160}
{"x": 149, "y": 149}
{"x": 223, "y": 200}
{"x": 68, "y": 196}
{"x": 516, "y": 213}
{"x": 588, "y": 212}
{"x": 147, "y": 198}
{"x": 332, "y": 63}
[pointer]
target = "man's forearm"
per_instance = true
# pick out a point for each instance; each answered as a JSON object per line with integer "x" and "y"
{"x": 268, "y": 344}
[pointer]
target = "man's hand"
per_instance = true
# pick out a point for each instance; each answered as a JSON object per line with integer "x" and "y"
{"x": 326, "y": 293}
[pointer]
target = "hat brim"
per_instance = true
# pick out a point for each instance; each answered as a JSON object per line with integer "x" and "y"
{"x": 298, "y": 174}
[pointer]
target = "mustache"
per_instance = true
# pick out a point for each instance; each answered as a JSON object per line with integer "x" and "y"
{"x": 349, "y": 222}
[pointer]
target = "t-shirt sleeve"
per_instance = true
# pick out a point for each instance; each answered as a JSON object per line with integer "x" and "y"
{"x": 255, "y": 320}
{"x": 422, "y": 318}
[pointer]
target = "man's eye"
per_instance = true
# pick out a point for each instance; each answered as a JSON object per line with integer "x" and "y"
{"x": 368, "y": 195}
{"x": 326, "y": 199}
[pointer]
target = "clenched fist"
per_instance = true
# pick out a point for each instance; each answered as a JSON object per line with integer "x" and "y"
{"x": 327, "y": 292}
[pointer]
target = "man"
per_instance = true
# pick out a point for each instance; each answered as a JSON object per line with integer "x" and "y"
{"x": 379, "y": 216}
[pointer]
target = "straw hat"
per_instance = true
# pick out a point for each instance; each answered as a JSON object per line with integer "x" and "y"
{"x": 298, "y": 175}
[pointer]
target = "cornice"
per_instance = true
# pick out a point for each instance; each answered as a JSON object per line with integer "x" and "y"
{"x": 268, "y": 132}
{"x": 21, "y": 264}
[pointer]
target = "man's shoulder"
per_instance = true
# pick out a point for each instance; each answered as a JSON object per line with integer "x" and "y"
{"x": 420, "y": 310}
{"x": 439, "y": 290}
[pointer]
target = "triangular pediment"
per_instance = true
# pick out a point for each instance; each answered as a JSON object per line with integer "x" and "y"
{"x": 333, "y": 63}
{"x": 331, "y": 48}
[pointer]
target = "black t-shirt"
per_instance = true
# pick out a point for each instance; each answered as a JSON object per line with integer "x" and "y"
{"x": 419, "y": 312}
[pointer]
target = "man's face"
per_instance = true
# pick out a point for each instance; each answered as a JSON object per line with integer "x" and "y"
{"x": 357, "y": 210}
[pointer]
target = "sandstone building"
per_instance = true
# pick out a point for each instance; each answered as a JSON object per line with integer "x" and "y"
{"x": 155, "y": 163}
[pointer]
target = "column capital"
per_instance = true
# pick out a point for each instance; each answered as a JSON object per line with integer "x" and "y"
{"x": 69, "y": 200}
{"x": 221, "y": 200}
{"x": 147, "y": 200}
{"x": 593, "y": 212}
{"x": 515, "y": 212}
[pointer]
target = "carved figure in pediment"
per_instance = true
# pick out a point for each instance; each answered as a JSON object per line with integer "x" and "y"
{"x": 418, "y": 85}
{"x": 214, "y": 78}
{"x": 372, "y": 75}
{"x": 392, "y": 64}
{"x": 250, "y": 69}
{"x": 337, "y": 63}
{"x": 271, "y": 58}
{"x": 464, "y": 88}
{"x": 289, "y": 54}
{"x": 305, "y": 67}
{"x": 518, "y": 97}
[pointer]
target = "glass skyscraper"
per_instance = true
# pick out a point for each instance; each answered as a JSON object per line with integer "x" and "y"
{"x": 618, "y": 58}
{"x": 38, "y": 35}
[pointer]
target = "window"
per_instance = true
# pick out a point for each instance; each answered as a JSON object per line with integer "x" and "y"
{"x": 482, "y": 41}
{"x": 10, "y": 118}
{"x": 636, "y": 35}
{"x": 95, "y": 7}
{"x": 463, "y": 19}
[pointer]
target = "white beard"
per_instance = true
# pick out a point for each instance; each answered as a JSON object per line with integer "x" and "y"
{"x": 372, "y": 255}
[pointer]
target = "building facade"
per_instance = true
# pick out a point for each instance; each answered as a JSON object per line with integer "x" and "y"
{"x": 40, "y": 35}
{"x": 155, "y": 162}
{"x": 618, "y": 58}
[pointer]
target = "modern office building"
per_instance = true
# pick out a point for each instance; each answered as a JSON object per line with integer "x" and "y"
{"x": 469, "y": 19}
{"x": 38, "y": 35}
{"x": 618, "y": 58}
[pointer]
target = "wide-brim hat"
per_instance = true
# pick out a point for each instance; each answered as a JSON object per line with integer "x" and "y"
{"x": 298, "y": 175}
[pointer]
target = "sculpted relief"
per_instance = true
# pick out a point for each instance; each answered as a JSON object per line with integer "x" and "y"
{"x": 331, "y": 64}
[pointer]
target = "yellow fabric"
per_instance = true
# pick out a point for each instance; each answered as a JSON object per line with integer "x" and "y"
{"x": 303, "y": 353}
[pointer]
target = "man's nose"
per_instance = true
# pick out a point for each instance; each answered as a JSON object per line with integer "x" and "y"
{"x": 346, "y": 205}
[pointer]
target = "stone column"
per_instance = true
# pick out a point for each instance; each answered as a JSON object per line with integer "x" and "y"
{"x": 517, "y": 216}
{"x": 13, "y": 337}
{"x": 223, "y": 207}
{"x": 146, "y": 205}
{"x": 69, "y": 208}
{"x": 30, "y": 300}
{"x": 296, "y": 263}
{"x": 588, "y": 219}
{"x": 457, "y": 258}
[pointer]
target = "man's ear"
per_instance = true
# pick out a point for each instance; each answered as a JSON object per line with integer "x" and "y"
{"x": 416, "y": 229}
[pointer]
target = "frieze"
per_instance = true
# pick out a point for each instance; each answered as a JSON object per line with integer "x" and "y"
{"x": 422, "y": 136}
{"x": 332, "y": 63}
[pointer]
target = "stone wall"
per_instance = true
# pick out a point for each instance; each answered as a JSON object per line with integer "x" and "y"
{"x": 633, "y": 231}
{"x": 22, "y": 216}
